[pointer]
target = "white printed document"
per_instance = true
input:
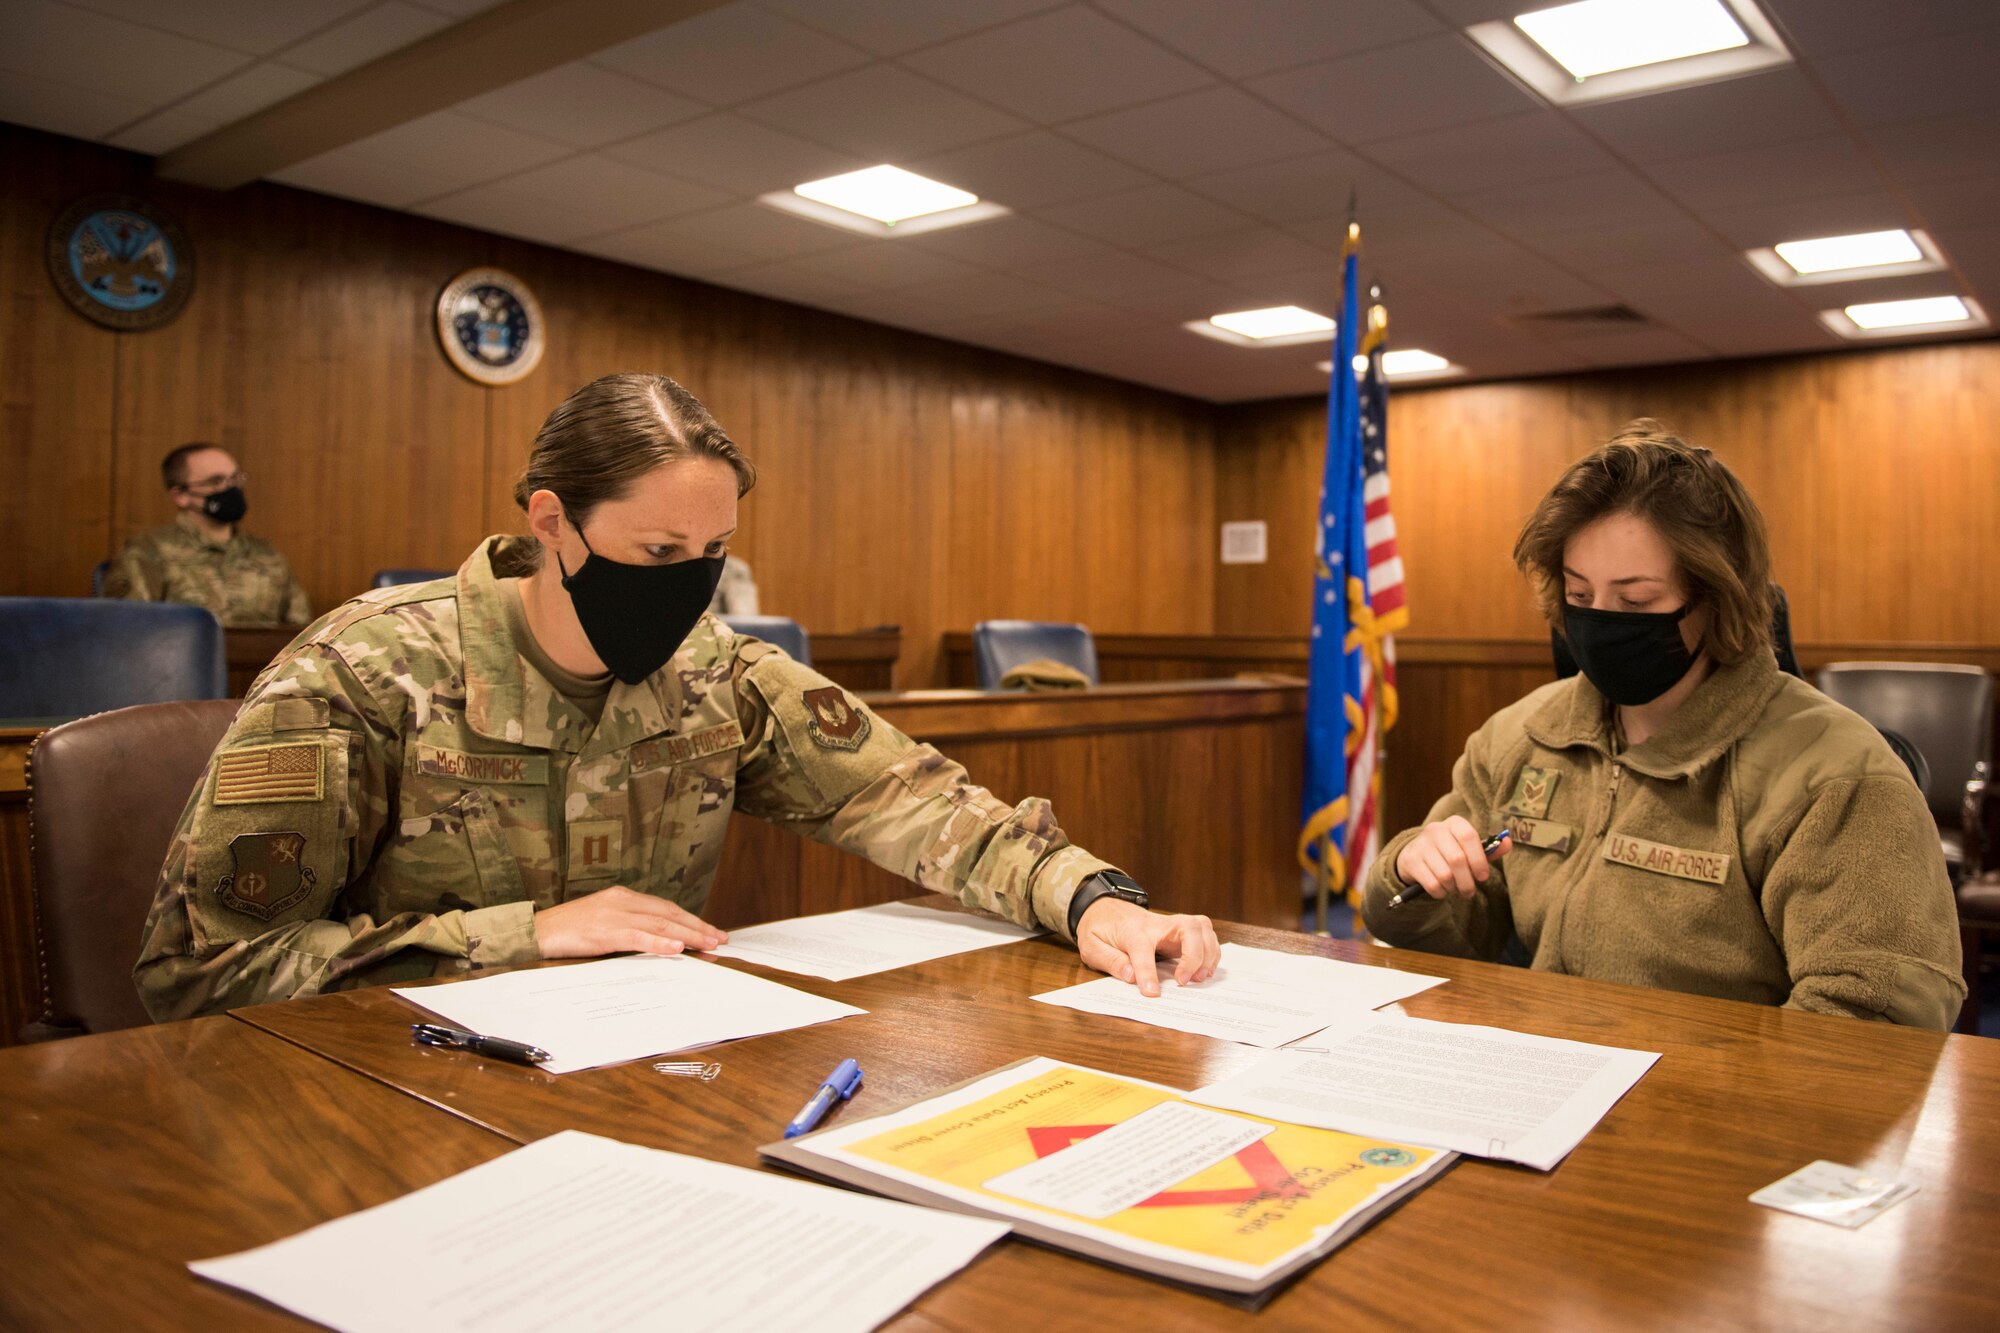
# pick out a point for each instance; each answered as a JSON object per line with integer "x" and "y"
{"x": 619, "y": 1009}
{"x": 577, "y": 1231}
{"x": 840, "y": 946}
{"x": 1127, "y": 1164}
{"x": 1484, "y": 1091}
{"x": 1259, "y": 997}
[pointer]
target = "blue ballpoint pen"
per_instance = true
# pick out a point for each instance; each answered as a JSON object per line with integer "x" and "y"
{"x": 839, "y": 1086}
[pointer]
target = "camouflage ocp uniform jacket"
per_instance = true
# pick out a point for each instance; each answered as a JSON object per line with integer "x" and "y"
{"x": 244, "y": 581}
{"x": 401, "y": 791}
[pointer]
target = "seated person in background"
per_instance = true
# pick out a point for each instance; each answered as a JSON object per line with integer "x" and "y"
{"x": 539, "y": 759}
{"x": 202, "y": 557}
{"x": 1683, "y": 815}
{"x": 736, "y": 593}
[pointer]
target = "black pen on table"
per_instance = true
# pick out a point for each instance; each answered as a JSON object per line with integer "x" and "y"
{"x": 1490, "y": 846}
{"x": 500, "y": 1048}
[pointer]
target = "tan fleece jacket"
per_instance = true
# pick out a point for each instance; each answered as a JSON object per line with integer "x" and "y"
{"x": 1767, "y": 845}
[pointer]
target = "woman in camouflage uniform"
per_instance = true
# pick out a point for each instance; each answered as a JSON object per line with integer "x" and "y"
{"x": 538, "y": 757}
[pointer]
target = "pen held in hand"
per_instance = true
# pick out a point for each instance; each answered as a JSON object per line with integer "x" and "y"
{"x": 1490, "y": 846}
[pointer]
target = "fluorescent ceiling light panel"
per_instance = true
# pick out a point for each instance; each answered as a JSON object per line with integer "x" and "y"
{"x": 1597, "y": 50}
{"x": 883, "y": 201}
{"x": 1599, "y": 36}
{"x": 1275, "y": 326}
{"x": 1414, "y": 361}
{"x": 1874, "y": 254}
{"x": 1924, "y": 314}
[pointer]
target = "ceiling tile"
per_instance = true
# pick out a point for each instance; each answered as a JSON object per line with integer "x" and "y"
{"x": 367, "y": 36}
{"x": 1056, "y": 66}
{"x": 883, "y": 266}
{"x": 1823, "y": 27}
{"x": 1031, "y": 170}
{"x": 1150, "y": 215}
{"x": 883, "y": 113}
{"x": 461, "y": 9}
{"x": 1649, "y": 347}
{"x": 1976, "y": 252}
{"x": 1315, "y": 186}
{"x": 1009, "y": 243}
{"x": 653, "y": 246}
{"x": 1242, "y": 254}
{"x": 1513, "y": 150}
{"x": 350, "y": 175}
{"x": 1741, "y": 177}
{"x": 261, "y": 85}
{"x": 80, "y": 113}
{"x": 582, "y": 105}
{"x": 734, "y": 154}
{"x": 1498, "y": 278}
{"x": 1111, "y": 276}
{"x": 1800, "y": 219}
{"x": 982, "y": 295}
{"x": 1604, "y": 201}
{"x": 729, "y": 55}
{"x": 1199, "y": 132}
{"x": 758, "y": 233}
{"x": 1248, "y": 37}
{"x": 1772, "y": 107}
{"x": 1963, "y": 201}
{"x": 1197, "y": 298}
{"x": 1910, "y": 81}
{"x": 891, "y": 27}
{"x": 1420, "y": 85}
{"x": 580, "y": 196}
{"x": 785, "y": 280}
{"x": 1939, "y": 149}
{"x": 258, "y": 27}
{"x": 1669, "y": 239}
{"x": 119, "y": 60}
{"x": 456, "y": 150}
{"x": 1397, "y": 234}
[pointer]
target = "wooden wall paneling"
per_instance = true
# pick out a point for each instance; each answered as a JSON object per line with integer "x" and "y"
{"x": 58, "y": 378}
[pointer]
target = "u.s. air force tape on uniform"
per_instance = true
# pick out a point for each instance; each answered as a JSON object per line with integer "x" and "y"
{"x": 1702, "y": 867}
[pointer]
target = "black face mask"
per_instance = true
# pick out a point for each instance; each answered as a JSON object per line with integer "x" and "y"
{"x": 227, "y": 506}
{"x": 1632, "y": 657}
{"x": 637, "y": 616}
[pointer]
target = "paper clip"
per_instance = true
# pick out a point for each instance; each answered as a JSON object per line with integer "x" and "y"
{"x": 689, "y": 1069}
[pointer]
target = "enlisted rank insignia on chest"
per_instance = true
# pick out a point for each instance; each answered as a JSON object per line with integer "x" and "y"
{"x": 664, "y": 750}
{"x": 269, "y": 773}
{"x": 267, "y": 875}
{"x": 833, "y": 722}
{"x": 1658, "y": 857}
{"x": 1533, "y": 791}
{"x": 438, "y": 762}
{"x": 1543, "y": 833}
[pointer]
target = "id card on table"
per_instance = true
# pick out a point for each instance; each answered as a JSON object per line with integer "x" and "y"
{"x": 1829, "y": 1192}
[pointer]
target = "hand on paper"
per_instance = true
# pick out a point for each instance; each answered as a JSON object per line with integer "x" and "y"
{"x": 1447, "y": 858}
{"x": 617, "y": 920}
{"x": 1121, "y": 939}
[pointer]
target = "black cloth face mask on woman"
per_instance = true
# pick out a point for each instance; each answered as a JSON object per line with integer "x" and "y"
{"x": 1632, "y": 657}
{"x": 637, "y": 616}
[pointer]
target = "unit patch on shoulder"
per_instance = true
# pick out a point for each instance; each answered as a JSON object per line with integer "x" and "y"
{"x": 833, "y": 722}
{"x": 268, "y": 877}
{"x": 269, "y": 773}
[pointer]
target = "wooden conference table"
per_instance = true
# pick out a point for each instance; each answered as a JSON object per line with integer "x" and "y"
{"x": 124, "y": 1156}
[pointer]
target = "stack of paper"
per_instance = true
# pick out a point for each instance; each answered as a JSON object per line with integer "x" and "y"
{"x": 577, "y": 1231}
{"x": 840, "y": 946}
{"x": 621, "y": 1009}
{"x": 1257, "y": 996}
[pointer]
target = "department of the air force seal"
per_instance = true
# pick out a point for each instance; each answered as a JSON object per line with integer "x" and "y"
{"x": 120, "y": 262}
{"x": 490, "y": 325}
{"x": 832, "y": 722}
{"x": 1387, "y": 1157}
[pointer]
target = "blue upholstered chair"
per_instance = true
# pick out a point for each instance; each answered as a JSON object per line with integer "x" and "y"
{"x": 390, "y": 578}
{"x": 998, "y": 646}
{"x": 68, "y": 656}
{"x": 779, "y": 631}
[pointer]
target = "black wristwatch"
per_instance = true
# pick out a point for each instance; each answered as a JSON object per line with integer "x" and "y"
{"x": 1104, "y": 884}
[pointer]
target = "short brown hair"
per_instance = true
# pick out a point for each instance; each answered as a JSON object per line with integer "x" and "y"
{"x": 174, "y": 467}
{"x": 1698, "y": 507}
{"x": 615, "y": 429}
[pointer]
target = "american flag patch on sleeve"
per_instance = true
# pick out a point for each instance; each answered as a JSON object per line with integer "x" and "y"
{"x": 271, "y": 773}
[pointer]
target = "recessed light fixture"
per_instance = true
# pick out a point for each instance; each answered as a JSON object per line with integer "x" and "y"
{"x": 1404, "y": 363}
{"x": 1924, "y": 314}
{"x": 883, "y": 201}
{"x": 1871, "y": 254}
{"x": 1274, "y": 326}
{"x": 1594, "y": 50}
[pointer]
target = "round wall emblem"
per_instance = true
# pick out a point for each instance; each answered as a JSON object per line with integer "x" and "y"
{"x": 121, "y": 262}
{"x": 490, "y": 325}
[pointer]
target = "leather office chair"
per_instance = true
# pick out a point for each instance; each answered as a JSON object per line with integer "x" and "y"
{"x": 391, "y": 578}
{"x": 105, "y": 794}
{"x": 68, "y": 656}
{"x": 998, "y": 646}
{"x": 1946, "y": 711}
{"x": 98, "y": 573}
{"x": 1781, "y": 641}
{"x": 778, "y": 631}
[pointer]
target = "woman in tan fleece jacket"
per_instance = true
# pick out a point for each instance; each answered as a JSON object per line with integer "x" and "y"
{"x": 1680, "y": 814}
